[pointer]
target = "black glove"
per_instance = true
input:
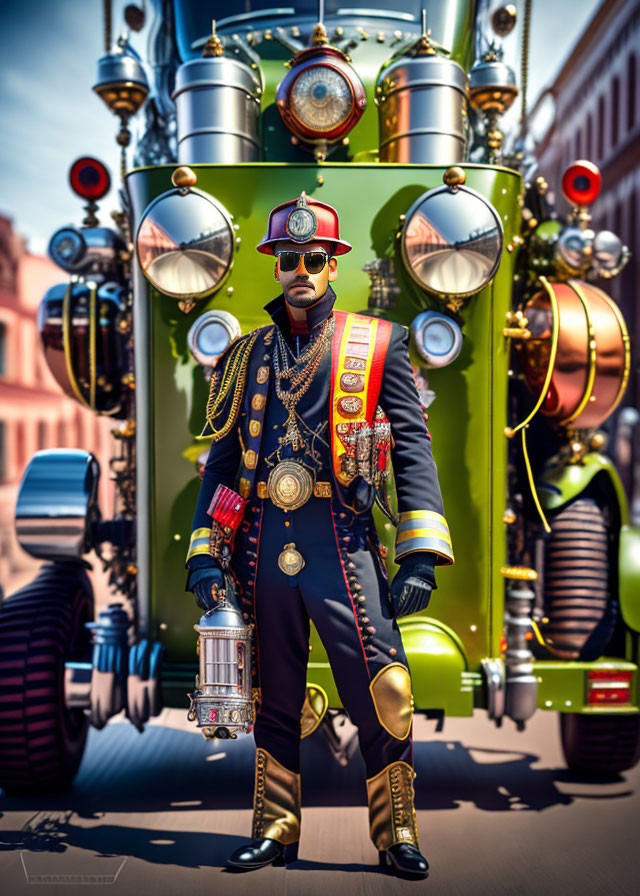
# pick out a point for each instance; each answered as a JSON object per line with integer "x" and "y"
{"x": 413, "y": 583}
{"x": 201, "y": 582}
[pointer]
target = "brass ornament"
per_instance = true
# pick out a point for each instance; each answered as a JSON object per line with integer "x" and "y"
{"x": 250, "y": 459}
{"x": 289, "y": 485}
{"x": 454, "y": 176}
{"x": 263, "y": 375}
{"x": 254, "y": 427}
{"x": 290, "y": 560}
{"x": 258, "y": 402}
{"x": 186, "y": 305}
{"x": 184, "y": 177}
{"x": 244, "y": 487}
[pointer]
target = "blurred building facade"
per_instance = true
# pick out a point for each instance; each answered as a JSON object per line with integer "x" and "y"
{"x": 597, "y": 117}
{"x": 34, "y": 411}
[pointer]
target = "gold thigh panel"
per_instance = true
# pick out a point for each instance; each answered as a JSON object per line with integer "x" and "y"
{"x": 392, "y": 699}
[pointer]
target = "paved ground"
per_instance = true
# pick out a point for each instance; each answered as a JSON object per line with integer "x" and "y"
{"x": 159, "y": 812}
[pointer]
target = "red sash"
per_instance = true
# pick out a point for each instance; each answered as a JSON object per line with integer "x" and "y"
{"x": 358, "y": 350}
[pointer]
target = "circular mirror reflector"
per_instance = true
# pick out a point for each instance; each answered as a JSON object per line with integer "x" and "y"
{"x": 185, "y": 244}
{"x": 451, "y": 241}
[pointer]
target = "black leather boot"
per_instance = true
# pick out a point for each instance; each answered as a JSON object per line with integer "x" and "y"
{"x": 404, "y": 859}
{"x": 261, "y": 852}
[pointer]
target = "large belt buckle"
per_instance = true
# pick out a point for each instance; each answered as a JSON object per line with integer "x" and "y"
{"x": 289, "y": 485}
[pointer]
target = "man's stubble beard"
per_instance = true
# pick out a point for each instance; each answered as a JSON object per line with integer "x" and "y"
{"x": 300, "y": 301}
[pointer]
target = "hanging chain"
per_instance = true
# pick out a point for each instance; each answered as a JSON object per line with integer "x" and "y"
{"x": 524, "y": 66}
{"x": 299, "y": 377}
{"x": 107, "y": 25}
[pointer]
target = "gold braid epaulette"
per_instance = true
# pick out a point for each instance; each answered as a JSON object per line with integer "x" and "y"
{"x": 223, "y": 381}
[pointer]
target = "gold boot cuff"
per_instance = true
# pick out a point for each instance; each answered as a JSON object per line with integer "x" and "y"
{"x": 276, "y": 801}
{"x": 392, "y": 817}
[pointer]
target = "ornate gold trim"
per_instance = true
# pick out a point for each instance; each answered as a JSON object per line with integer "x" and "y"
{"x": 276, "y": 800}
{"x": 392, "y": 817}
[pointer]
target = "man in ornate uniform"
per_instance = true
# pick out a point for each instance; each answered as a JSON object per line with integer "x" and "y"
{"x": 303, "y": 414}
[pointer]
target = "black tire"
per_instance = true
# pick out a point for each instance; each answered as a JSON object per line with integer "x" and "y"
{"x": 600, "y": 745}
{"x": 41, "y": 627}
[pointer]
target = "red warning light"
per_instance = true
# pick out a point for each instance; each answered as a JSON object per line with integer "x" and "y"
{"x": 89, "y": 178}
{"x": 581, "y": 182}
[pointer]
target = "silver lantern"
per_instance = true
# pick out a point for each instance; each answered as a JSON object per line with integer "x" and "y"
{"x": 222, "y": 703}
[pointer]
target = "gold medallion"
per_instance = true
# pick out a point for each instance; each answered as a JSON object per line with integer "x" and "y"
{"x": 263, "y": 374}
{"x": 254, "y": 427}
{"x": 258, "y": 402}
{"x": 289, "y": 485}
{"x": 290, "y": 560}
{"x": 352, "y": 382}
{"x": 250, "y": 459}
{"x": 350, "y": 405}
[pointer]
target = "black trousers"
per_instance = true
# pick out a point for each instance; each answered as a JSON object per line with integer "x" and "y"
{"x": 343, "y": 588}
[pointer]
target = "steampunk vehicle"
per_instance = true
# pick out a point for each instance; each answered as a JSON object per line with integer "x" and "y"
{"x": 519, "y": 355}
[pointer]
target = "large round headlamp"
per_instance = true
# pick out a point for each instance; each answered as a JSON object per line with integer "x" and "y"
{"x": 321, "y": 98}
{"x": 436, "y": 337}
{"x": 211, "y": 334}
{"x": 67, "y": 248}
{"x": 185, "y": 244}
{"x": 451, "y": 241}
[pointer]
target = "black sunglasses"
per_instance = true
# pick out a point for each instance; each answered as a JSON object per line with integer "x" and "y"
{"x": 314, "y": 261}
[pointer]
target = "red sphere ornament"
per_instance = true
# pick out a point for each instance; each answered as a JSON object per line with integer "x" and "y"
{"x": 581, "y": 182}
{"x": 89, "y": 178}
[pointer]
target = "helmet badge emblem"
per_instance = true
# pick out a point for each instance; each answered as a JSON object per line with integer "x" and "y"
{"x": 301, "y": 224}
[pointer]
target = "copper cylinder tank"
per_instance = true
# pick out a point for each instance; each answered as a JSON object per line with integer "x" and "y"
{"x": 593, "y": 358}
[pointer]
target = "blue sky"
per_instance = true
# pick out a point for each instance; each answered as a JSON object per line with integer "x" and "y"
{"x": 49, "y": 115}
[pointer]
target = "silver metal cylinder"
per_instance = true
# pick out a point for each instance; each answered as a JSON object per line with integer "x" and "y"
{"x": 218, "y": 106}
{"x": 521, "y": 687}
{"x": 422, "y": 110}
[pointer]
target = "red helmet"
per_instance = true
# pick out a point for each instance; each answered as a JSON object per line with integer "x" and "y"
{"x": 303, "y": 220}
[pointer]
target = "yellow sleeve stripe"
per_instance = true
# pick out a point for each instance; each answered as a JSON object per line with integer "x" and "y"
{"x": 407, "y": 534}
{"x": 199, "y": 543}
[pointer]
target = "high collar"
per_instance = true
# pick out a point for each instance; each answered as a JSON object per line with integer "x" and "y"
{"x": 316, "y": 313}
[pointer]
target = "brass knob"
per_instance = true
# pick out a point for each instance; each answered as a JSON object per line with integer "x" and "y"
{"x": 184, "y": 177}
{"x": 454, "y": 177}
{"x": 503, "y": 20}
